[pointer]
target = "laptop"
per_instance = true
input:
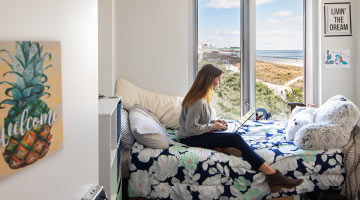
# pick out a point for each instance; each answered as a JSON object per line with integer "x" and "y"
{"x": 234, "y": 126}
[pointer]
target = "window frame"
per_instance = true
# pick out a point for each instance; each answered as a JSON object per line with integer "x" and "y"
{"x": 248, "y": 52}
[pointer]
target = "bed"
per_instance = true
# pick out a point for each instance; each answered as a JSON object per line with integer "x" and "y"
{"x": 182, "y": 172}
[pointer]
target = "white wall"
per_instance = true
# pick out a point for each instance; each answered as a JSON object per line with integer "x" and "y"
{"x": 356, "y": 25}
{"x": 107, "y": 46}
{"x": 153, "y": 49}
{"x": 68, "y": 173}
{"x": 154, "y": 43}
{"x": 312, "y": 53}
{"x": 337, "y": 81}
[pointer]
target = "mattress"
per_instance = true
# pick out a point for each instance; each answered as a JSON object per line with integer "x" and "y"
{"x": 183, "y": 172}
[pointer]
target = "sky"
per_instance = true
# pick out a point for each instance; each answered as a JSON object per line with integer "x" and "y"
{"x": 279, "y": 23}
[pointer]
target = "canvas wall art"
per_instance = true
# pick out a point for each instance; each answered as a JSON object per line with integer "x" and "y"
{"x": 30, "y": 104}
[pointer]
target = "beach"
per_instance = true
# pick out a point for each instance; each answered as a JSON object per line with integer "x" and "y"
{"x": 278, "y": 72}
{"x": 285, "y": 61}
{"x": 280, "y": 75}
{"x": 285, "y": 72}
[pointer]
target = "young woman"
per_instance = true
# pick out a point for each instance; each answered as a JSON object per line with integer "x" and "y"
{"x": 196, "y": 127}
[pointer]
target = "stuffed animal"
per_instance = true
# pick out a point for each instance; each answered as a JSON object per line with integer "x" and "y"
{"x": 300, "y": 117}
{"x": 329, "y": 128}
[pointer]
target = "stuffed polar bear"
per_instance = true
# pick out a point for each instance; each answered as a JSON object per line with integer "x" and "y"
{"x": 326, "y": 127}
{"x": 300, "y": 117}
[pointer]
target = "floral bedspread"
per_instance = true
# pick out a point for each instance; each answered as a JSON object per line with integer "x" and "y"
{"x": 183, "y": 172}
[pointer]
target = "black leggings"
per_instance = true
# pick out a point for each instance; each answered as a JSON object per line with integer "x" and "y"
{"x": 212, "y": 140}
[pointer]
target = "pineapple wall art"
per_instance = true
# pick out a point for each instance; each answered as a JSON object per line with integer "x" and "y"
{"x": 30, "y": 103}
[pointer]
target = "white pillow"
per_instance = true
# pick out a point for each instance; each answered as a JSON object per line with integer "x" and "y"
{"x": 146, "y": 129}
{"x": 166, "y": 108}
{"x": 297, "y": 121}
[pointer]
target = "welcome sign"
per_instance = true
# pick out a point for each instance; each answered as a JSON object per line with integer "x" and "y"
{"x": 337, "y": 19}
{"x": 30, "y": 103}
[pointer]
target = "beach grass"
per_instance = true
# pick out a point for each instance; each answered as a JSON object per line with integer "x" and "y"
{"x": 298, "y": 84}
{"x": 226, "y": 99}
{"x": 270, "y": 72}
{"x": 277, "y": 73}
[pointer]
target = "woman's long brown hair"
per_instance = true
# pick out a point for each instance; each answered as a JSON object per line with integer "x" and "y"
{"x": 202, "y": 86}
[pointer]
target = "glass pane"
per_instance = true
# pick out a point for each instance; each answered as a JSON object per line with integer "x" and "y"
{"x": 219, "y": 44}
{"x": 279, "y": 55}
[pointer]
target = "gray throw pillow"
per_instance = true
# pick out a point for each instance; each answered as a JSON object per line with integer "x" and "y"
{"x": 127, "y": 139}
{"x": 147, "y": 129}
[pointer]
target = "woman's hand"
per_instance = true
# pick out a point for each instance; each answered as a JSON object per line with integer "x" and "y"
{"x": 221, "y": 121}
{"x": 219, "y": 125}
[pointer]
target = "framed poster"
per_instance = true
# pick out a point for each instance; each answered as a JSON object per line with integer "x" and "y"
{"x": 337, "y": 18}
{"x": 337, "y": 58}
{"x": 30, "y": 103}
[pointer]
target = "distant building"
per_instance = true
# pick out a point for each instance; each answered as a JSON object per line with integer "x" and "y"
{"x": 200, "y": 52}
{"x": 207, "y": 48}
{"x": 227, "y": 55}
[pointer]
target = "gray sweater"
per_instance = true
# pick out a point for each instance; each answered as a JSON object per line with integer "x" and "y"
{"x": 195, "y": 119}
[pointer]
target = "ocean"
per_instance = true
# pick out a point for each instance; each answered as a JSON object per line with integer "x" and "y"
{"x": 289, "y": 54}
{"x": 287, "y": 57}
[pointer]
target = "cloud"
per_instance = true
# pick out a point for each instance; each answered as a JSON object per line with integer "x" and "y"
{"x": 260, "y": 2}
{"x": 283, "y": 13}
{"x": 221, "y": 38}
{"x": 293, "y": 19}
{"x": 227, "y": 33}
{"x": 223, "y": 4}
{"x": 232, "y": 3}
{"x": 278, "y": 33}
{"x": 273, "y": 21}
{"x": 281, "y": 39}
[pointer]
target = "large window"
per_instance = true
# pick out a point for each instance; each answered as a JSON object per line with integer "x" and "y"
{"x": 219, "y": 44}
{"x": 279, "y": 53}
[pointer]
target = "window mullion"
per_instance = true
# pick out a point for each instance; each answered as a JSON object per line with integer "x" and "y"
{"x": 248, "y": 77}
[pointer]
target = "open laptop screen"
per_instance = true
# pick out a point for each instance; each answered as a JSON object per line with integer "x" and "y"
{"x": 234, "y": 126}
{"x": 243, "y": 122}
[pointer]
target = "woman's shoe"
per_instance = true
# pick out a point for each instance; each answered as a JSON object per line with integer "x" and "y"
{"x": 277, "y": 181}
